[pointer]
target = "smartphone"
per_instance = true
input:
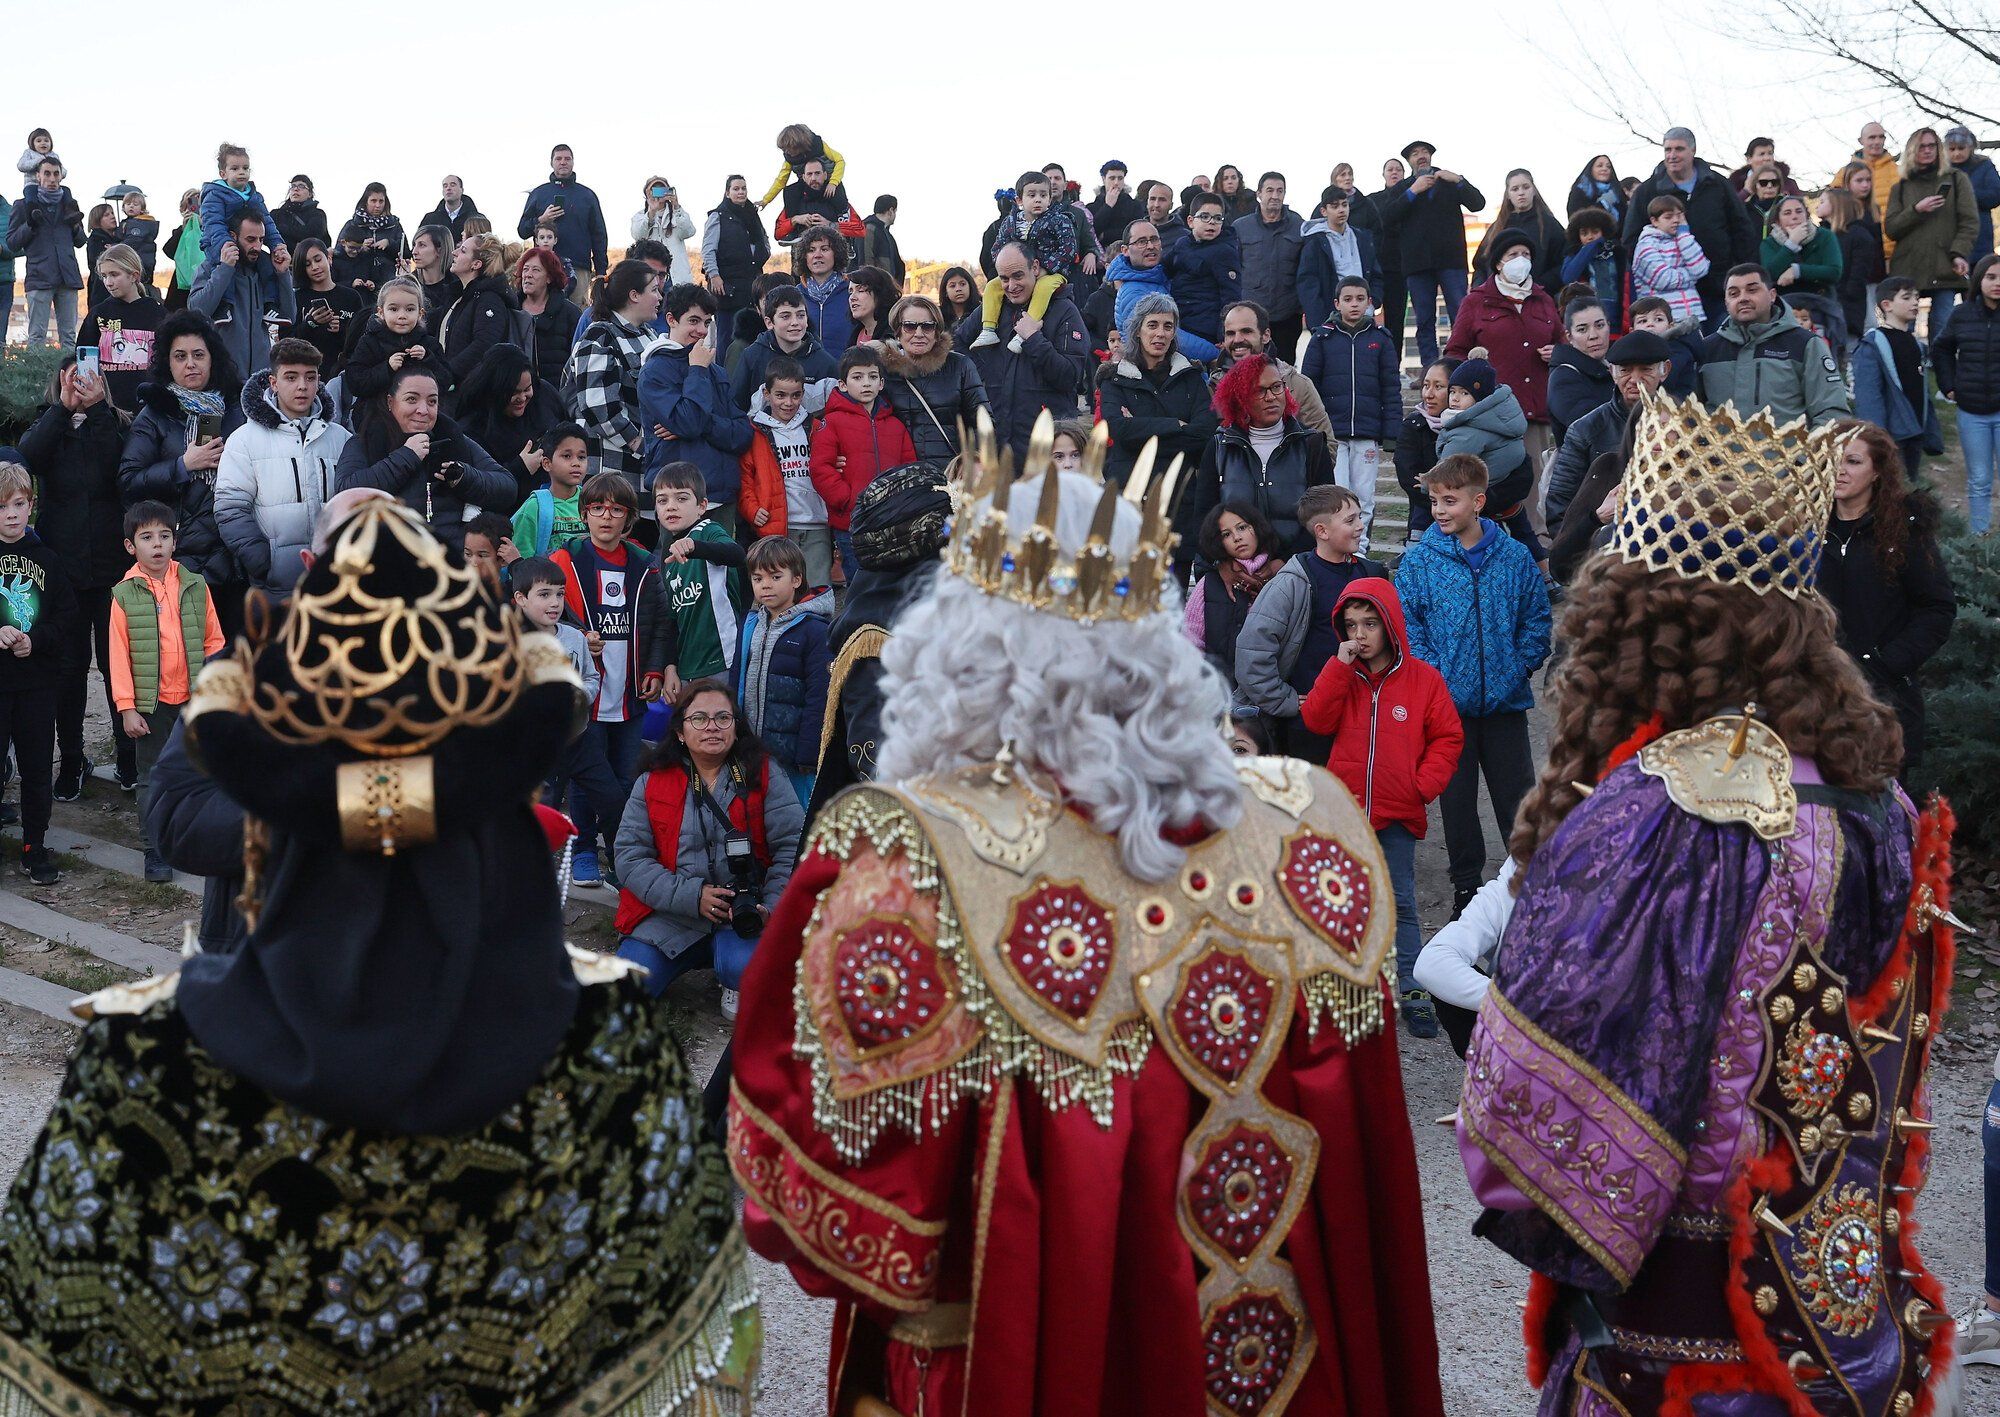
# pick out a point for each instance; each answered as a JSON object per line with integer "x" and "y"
{"x": 86, "y": 360}
{"x": 207, "y": 428}
{"x": 1944, "y": 189}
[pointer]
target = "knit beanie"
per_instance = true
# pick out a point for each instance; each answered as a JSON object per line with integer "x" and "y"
{"x": 1476, "y": 375}
{"x": 1153, "y": 302}
{"x": 1509, "y": 240}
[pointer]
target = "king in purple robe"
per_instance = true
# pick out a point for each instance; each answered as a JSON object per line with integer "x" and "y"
{"x": 1695, "y": 1101}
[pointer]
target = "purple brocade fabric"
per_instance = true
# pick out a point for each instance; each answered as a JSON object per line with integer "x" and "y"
{"x": 1619, "y": 950}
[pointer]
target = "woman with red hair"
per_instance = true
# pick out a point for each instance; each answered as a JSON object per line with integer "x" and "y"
{"x": 538, "y": 287}
{"x": 1262, "y": 455}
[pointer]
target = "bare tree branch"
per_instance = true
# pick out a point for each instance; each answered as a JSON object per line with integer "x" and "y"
{"x": 1920, "y": 54}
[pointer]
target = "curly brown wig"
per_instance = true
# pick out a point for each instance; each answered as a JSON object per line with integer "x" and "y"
{"x": 1891, "y": 504}
{"x": 1640, "y": 643}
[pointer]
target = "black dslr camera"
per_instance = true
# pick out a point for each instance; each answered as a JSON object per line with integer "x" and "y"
{"x": 746, "y": 882}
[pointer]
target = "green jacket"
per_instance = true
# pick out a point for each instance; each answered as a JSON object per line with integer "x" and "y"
{"x": 706, "y": 598}
{"x": 1927, "y": 241}
{"x": 142, "y": 630}
{"x": 1819, "y": 262}
{"x": 1776, "y": 365}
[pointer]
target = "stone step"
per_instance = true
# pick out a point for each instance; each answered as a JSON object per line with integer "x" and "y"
{"x": 111, "y": 946}
{"x": 113, "y": 857}
{"x": 27, "y": 992}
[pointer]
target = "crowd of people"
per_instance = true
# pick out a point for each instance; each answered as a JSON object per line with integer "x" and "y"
{"x": 696, "y": 465}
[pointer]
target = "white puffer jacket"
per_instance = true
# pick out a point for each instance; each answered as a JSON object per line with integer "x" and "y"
{"x": 672, "y": 232}
{"x": 274, "y": 478}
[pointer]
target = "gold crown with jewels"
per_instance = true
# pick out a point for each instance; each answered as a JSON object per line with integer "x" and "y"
{"x": 1712, "y": 495}
{"x": 1033, "y": 570}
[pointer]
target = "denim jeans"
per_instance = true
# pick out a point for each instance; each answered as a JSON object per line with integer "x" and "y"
{"x": 1941, "y": 303}
{"x": 39, "y": 303}
{"x": 1399, "y": 847}
{"x": 726, "y": 952}
{"x": 619, "y": 743}
{"x": 6, "y": 307}
{"x": 1424, "y": 287}
{"x": 1991, "y": 1135}
{"x": 843, "y": 544}
{"x": 1979, "y": 437}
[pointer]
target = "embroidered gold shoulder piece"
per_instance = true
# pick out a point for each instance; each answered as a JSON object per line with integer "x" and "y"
{"x": 1005, "y": 819}
{"x": 133, "y": 998}
{"x": 1721, "y": 772}
{"x": 592, "y": 967}
{"x": 1284, "y": 783}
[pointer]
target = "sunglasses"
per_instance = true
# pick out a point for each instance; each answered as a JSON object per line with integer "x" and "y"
{"x": 916, "y": 327}
{"x": 1766, "y": 182}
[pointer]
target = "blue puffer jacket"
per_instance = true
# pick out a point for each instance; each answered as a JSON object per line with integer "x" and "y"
{"x": 1132, "y": 282}
{"x": 1205, "y": 276}
{"x": 693, "y": 404}
{"x": 781, "y": 677}
{"x": 1356, "y": 375}
{"x": 1482, "y": 617}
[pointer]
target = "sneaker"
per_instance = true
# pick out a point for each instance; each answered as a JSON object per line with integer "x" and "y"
{"x": 68, "y": 786}
{"x": 986, "y": 338}
{"x": 608, "y": 873}
{"x": 157, "y": 869}
{"x": 1979, "y": 1337}
{"x": 128, "y": 777}
{"x": 1014, "y": 345}
{"x": 583, "y": 869}
{"x": 1420, "y": 1014}
{"x": 730, "y": 1001}
{"x": 38, "y": 864}
{"x": 1461, "y": 897}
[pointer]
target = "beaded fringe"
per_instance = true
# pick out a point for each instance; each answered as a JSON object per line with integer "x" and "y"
{"x": 1357, "y": 1010}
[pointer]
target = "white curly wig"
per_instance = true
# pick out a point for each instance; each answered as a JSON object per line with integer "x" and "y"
{"x": 1125, "y": 715}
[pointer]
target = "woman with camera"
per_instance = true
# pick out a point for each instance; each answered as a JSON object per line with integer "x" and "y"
{"x": 705, "y": 847}
{"x": 665, "y": 220}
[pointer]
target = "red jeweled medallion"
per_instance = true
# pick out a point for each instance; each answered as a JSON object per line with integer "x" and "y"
{"x": 1220, "y": 1014}
{"x": 1059, "y": 946}
{"x": 1811, "y": 1069}
{"x": 1238, "y": 1189}
{"x": 1839, "y": 1259}
{"x": 1326, "y": 887}
{"x": 1248, "y": 1346}
{"x": 887, "y": 983}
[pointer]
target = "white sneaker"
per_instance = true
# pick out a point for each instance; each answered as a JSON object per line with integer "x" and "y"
{"x": 1979, "y": 1337}
{"x": 1014, "y": 345}
{"x": 729, "y": 1003}
{"x": 986, "y": 337}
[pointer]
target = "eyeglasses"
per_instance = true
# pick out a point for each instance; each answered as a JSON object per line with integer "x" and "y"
{"x": 1266, "y": 391}
{"x": 917, "y": 327}
{"x": 1206, "y": 216}
{"x": 605, "y": 509}
{"x": 708, "y": 720}
{"x": 1144, "y": 241}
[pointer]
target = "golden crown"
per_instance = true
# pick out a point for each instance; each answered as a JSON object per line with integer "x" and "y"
{"x": 1033, "y": 571}
{"x": 1711, "y": 495}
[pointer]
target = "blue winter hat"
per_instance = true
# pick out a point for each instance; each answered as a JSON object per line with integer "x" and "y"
{"x": 1477, "y": 376}
{"x": 1153, "y": 302}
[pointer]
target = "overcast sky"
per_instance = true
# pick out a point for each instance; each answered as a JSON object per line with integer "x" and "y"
{"x": 936, "y": 103}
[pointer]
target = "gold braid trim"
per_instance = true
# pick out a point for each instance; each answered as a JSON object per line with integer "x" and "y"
{"x": 1005, "y": 1049}
{"x": 1357, "y": 1010}
{"x": 864, "y": 643}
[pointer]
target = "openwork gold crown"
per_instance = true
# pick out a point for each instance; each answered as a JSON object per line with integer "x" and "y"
{"x": 386, "y": 646}
{"x": 1033, "y": 570}
{"x": 1712, "y": 495}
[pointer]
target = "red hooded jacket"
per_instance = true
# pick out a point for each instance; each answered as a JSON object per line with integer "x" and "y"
{"x": 1396, "y": 739}
{"x": 873, "y": 440}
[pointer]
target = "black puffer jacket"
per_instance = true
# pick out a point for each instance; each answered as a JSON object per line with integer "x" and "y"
{"x": 1890, "y": 624}
{"x": 375, "y": 457}
{"x": 555, "y": 335}
{"x": 480, "y": 317}
{"x": 151, "y": 467}
{"x": 948, "y": 383}
{"x": 1717, "y": 217}
{"x": 79, "y": 512}
{"x": 367, "y": 372}
{"x": 1229, "y": 472}
{"x": 1967, "y": 356}
{"x": 1175, "y": 409}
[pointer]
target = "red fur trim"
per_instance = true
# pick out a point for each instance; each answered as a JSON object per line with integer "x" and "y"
{"x": 1629, "y": 749}
{"x": 1542, "y": 1294}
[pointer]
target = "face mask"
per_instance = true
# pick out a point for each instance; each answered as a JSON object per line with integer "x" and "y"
{"x": 1516, "y": 269}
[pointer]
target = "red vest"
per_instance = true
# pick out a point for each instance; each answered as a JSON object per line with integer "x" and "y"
{"x": 666, "y": 804}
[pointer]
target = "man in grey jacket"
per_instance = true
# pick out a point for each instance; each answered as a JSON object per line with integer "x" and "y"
{"x": 1639, "y": 364}
{"x": 1271, "y": 238}
{"x": 246, "y": 292}
{"x": 1760, "y": 357}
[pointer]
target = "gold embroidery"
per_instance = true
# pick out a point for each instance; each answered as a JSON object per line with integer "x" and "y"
{"x": 1284, "y": 783}
{"x": 1703, "y": 776}
{"x": 1610, "y": 1089}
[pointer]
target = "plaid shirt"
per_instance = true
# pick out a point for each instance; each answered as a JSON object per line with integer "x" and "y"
{"x": 601, "y": 391}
